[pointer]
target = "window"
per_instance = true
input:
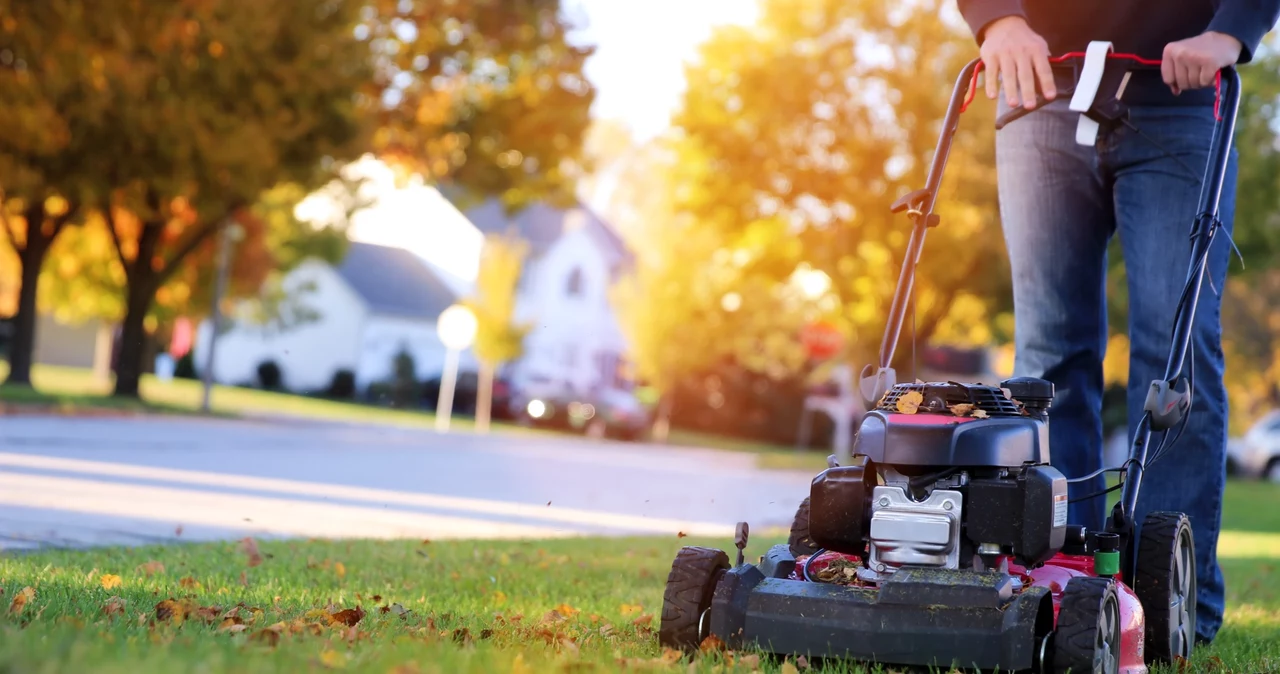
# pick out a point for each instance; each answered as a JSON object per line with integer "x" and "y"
{"x": 574, "y": 287}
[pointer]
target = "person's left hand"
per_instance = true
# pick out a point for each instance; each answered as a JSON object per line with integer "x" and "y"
{"x": 1193, "y": 63}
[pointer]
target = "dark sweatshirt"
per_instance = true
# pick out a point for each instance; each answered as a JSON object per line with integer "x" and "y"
{"x": 1141, "y": 27}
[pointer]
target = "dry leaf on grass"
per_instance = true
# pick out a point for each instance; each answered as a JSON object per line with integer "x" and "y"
{"x": 643, "y": 621}
{"x": 802, "y": 662}
{"x": 250, "y": 548}
{"x": 711, "y": 644}
{"x": 151, "y": 568}
{"x": 910, "y": 402}
{"x": 189, "y": 583}
{"x": 340, "y": 569}
{"x": 348, "y": 617}
{"x": 115, "y": 606}
{"x": 628, "y": 609}
{"x": 25, "y": 596}
{"x": 110, "y": 581}
{"x": 788, "y": 668}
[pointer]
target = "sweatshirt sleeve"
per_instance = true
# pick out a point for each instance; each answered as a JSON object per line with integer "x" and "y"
{"x": 1245, "y": 20}
{"x": 979, "y": 13}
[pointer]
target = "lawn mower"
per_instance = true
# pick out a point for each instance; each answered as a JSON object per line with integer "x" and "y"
{"x": 943, "y": 540}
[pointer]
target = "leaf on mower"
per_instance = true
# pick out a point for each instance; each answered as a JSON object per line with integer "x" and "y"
{"x": 979, "y": 414}
{"x": 961, "y": 409}
{"x": 910, "y": 402}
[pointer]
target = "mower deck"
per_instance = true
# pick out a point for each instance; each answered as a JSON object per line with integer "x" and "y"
{"x": 919, "y": 617}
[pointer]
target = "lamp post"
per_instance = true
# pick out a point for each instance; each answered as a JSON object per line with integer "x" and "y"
{"x": 232, "y": 232}
{"x": 457, "y": 329}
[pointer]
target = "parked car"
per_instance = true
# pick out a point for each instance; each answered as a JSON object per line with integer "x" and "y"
{"x": 1257, "y": 454}
{"x": 615, "y": 411}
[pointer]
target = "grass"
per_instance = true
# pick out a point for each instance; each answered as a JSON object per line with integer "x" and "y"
{"x": 73, "y": 390}
{"x": 473, "y": 606}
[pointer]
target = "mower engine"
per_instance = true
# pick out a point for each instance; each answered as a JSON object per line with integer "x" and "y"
{"x": 946, "y": 475}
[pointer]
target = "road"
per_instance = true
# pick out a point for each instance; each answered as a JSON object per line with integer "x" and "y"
{"x": 105, "y": 481}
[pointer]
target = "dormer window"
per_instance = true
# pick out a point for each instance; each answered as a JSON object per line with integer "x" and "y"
{"x": 574, "y": 286}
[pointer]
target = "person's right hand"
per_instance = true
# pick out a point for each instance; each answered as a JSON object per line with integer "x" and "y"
{"x": 1013, "y": 52}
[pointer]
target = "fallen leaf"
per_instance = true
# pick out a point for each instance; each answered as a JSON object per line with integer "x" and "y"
{"x": 910, "y": 402}
{"x": 751, "y": 661}
{"x": 170, "y": 609}
{"x": 110, "y": 581}
{"x": 340, "y": 569}
{"x": 979, "y": 414}
{"x": 209, "y": 614}
{"x": 681, "y": 534}
{"x": 518, "y": 665}
{"x": 348, "y": 617}
{"x": 788, "y": 668}
{"x": 228, "y": 623}
{"x": 499, "y": 597}
{"x": 710, "y": 644}
{"x": 628, "y": 609}
{"x": 244, "y": 579}
{"x": 462, "y": 635}
{"x": 552, "y": 616}
{"x": 406, "y": 668}
{"x": 115, "y": 606}
{"x": 643, "y": 620}
{"x": 189, "y": 582}
{"x": 25, "y": 596}
{"x": 802, "y": 662}
{"x": 377, "y": 598}
{"x": 566, "y": 610}
{"x": 267, "y": 636}
{"x": 670, "y": 656}
{"x": 151, "y": 568}
{"x": 250, "y": 549}
{"x": 426, "y": 541}
{"x": 332, "y": 659}
{"x": 961, "y": 409}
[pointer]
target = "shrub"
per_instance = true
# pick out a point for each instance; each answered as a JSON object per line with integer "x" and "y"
{"x": 269, "y": 375}
{"x": 185, "y": 368}
{"x": 343, "y": 385}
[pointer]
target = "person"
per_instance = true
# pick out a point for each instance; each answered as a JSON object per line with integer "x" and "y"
{"x": 1060, "y": 204}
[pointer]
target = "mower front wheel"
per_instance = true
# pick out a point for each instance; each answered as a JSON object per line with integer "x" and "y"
{"x": 686, "y": 601}
{"x": 1165, "y": 582}
{"x": 1087, "y": 638}
{"x": 801, "y": 541}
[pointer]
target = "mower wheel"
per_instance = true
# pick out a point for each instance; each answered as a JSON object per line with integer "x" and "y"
{"x": 1087, "y": 638}
{"x": 801, "y": 542}
{"x": 1165, "y": 582}
{"x": 686, "y": 601}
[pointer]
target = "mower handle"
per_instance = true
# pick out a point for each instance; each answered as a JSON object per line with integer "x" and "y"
{"x": 1070, "y": 64}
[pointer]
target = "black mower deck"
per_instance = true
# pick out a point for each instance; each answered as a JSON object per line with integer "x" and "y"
{"x": 924, "y": 617}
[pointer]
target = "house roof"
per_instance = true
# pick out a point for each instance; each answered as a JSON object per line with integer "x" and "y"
{"x": 394, "y": 281}
{"x": 541, "y": 225}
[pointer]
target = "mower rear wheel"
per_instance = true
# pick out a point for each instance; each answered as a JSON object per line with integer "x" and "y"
{"x": 1165, "y": 582}
{"x": 1087, "y": 638}
{"x": 686, "y": 601}
{"x": 801, "y": 541}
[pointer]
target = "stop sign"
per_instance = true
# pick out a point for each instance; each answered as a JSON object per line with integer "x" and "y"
{"x": 821, "y": 340}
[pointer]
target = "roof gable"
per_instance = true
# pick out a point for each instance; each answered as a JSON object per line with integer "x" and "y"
{"x": 541, "y": 225}
{"x": 394, "y": 281}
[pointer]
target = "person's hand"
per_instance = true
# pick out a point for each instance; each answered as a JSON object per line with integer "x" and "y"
{"x": 1194, "y": 63}
{"x": 1019, "y": 55}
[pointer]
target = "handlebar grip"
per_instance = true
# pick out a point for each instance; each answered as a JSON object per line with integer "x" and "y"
{"x": 1020, "y": 111}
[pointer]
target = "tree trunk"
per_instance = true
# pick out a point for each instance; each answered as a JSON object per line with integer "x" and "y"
{"x": 484, "y": 397}
{"x": 142, "y": 281}
{"x": 31, "y": 258}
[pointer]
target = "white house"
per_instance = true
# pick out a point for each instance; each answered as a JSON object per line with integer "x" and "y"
{"x": 574, "y": 257}
{"x": 377, "y": 301}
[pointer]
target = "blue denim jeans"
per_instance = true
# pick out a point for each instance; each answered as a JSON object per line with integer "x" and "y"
{"x": 1060, "y": 204}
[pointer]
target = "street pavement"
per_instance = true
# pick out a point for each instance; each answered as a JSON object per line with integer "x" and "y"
{"x": 67, "y": 481}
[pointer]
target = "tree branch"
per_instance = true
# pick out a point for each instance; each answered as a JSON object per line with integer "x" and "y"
{"x": 186, "y": 248}
{"x": 115, "y": 237}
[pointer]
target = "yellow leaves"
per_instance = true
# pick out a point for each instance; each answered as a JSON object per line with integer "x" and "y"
{"x": 788, "y": 668}
{"x": 340, "y": 569}
{"x": 628, "y": 609}
{"x": 499, "y": 597}
{"x": 20, "y": 600}
{"x": 110, "y": 581}
{"x": 910, "y": 402}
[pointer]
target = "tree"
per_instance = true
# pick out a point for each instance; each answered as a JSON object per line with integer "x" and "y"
{"x": 48, "y": 112}
{"x": 499, "y": 337}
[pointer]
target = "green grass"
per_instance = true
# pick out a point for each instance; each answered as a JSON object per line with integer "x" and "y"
{"x": 475, "y": 606}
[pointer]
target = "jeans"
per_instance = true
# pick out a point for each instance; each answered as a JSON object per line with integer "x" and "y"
{"x": 1060, "y": 203}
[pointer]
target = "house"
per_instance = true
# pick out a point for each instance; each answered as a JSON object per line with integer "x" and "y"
{"x": 357, "y": 316}
{"x": 575, "y": 343}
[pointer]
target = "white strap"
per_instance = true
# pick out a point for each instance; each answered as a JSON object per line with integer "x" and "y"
{"x": 1095, "y": 63}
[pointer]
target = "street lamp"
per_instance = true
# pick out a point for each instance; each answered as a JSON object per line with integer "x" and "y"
{"x": 232, "y": 233}
{"x": 457, "y": 329}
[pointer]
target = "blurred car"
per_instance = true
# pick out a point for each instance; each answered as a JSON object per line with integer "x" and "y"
{"x": 614, "y": 412}
{"x": 1257, "y": 454}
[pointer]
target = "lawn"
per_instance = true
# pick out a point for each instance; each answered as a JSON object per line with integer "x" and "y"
{"x": 587, "y": 605}
{"x": 76, "y": 391}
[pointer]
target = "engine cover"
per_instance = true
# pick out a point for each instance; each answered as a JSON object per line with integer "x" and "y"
{"x": 1025, "y": 514}
{"x": 839, "y": 500}
{"x": 917, "y": 533}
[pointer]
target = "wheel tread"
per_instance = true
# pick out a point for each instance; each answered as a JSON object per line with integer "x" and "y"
{"x": 1074, "y": 636}
{"x": 1152, "y": 577}
{"x": 688, "y": 592}
{"x": 801, "y": 541}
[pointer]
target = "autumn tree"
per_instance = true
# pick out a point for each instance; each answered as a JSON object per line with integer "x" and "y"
{"x": 52, "y": 102}
{"x": 794, "y": 137}
{"x": 499, "y": 337}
